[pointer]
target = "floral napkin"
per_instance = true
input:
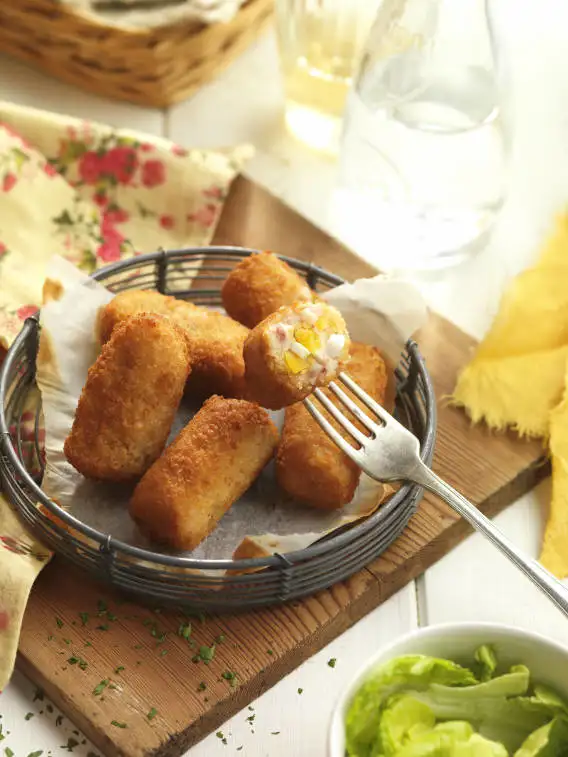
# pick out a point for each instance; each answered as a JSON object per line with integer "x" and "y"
{"x": 93, "y": 195}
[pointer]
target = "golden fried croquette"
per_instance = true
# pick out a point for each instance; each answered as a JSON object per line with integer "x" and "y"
{"x": 293, "y": 351}
{"x": 309, "y": 465}
{"x": 214, "y": 460}
{"x": 215, "y": 341}
{"x": 259, "y": 285}
{"x": 129, "y": 401}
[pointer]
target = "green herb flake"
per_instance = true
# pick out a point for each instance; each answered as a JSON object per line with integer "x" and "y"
{"x": 119, "y": 669}
{"x": 202, "y": 686}
{"x": 220, "y": 639}
{"x": 59, "y": 720}
{"x": 116, "y": 724}
{"x": 67, "y": 641}
{"x": 59, "y": 622}
{"x": 100, "y": 687}
{"x": 84, "y": 618}
{"x": 251, "y": 718}
{"x": 207, "y": 653}
{"x": 275, "y": 733}
{"x": 300, "y": 691}
{"x": 184, "y": 630}
{"x": 269, "y": 651}
{"x": 102, "y": 608}
{"x": 2, "y": 737}
{"x": 137, "y": 646}
{"x": 38, "y": 695}
{"x": 163, "y": 653}
{"x": 49, "y": 708}
{"x": 111, "y": 616}
{"x": 71, "y": 744}
{"x": 36, "y": 754}
{"x": 152, "y": 714}
{"x": 331, "y": 662}
{"x": 88, "y": 644}
{"x": 51, "y": 637}
{"x": 8, "y": 752}
{"x": 29, "y": 716}
{"x": 239, "y": 748}
{"x": 103, "y": 627}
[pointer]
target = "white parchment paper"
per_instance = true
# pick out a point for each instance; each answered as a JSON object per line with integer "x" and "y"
{"x": 378, "y": 311}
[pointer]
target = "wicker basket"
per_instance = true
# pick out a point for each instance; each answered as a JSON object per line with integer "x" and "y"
{"x": 152, "y": 67}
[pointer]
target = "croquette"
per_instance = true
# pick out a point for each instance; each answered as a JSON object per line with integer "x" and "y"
{"x": 210, "y": 464}
{"x": 259, "y": 285}
{"x": 129, "y": 401}
{"x": 293, "y": 351}
{"x": 215, "y": 341}
{"x": 309, "y": 465}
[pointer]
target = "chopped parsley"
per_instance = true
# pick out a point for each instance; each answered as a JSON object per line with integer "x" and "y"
{"x": 220, "y": 639}
{"x": 103, "y": 627}
{"x": 300, "y": 691}
{"x": 202, "y": 686}
{"x": 100, "y": 687}
{"x": 8, "y": 752}
{"x": 332, "y": 662}
{"x": 275, "y": 733}
{"x": 228, "y": 675}
{"x": 71, "y": 744}
{"x": 29, "y": 716}
{"x": 119, "y": 669}
{"x": 38, "y": 695}
{"x": 206, "y": 653}
{"x": 220, "y": 735}
{"x": 116, "y": 724}
{"x": 88, "y": 644}
{"x": 59, "y": 720}
{"x": 59, "y": 622}
{"x": 84, "y": 618}
{"x": 152, "y": 714}
{"x": 111, "y": 616}
{"x": 2, "y": 737}
{"x": 163, "y": 653}
{"x": 184, "y": 630}
{"x": 36, "y": 754}
{"x": 102, "y": 607}
{"x": 269, "y": 651}
{"x": 78, "y": 661}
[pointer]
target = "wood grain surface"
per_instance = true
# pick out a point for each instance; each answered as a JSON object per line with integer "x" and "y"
{"x": 193, "y": 698}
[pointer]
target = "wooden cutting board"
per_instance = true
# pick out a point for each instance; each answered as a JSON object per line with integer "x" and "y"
{"x": 192, "y": 698}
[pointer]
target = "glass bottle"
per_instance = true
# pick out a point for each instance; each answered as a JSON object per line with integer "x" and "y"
{"x": 421, "y": 176}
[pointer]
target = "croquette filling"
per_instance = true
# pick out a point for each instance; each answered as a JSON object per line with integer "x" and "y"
{"x": 310, "y": 341}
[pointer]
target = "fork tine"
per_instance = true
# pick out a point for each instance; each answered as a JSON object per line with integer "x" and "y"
{"x": 334, "y": 435}
{"x": 366, "y": 399}
{"x": 355, "y": 409}
{"x": 340, "y": 418}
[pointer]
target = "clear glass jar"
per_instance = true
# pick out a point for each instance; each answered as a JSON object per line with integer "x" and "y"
{"x": 421, "y": 176}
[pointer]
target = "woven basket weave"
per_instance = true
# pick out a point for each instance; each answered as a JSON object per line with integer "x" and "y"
{"x": 152, "y": 67}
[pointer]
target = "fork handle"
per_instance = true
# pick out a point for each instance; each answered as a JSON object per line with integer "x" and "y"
{"x": 545, "y": 581}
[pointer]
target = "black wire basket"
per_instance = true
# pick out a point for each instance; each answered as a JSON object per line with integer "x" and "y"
{"x": 216, "y": 585}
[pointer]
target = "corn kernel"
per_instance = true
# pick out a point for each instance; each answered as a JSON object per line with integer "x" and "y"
{"x": 308, "y": 338}
{"x": 294, "y": 363}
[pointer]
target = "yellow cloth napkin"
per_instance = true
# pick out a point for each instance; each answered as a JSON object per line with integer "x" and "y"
{"x": 94, "y": 195}
{"x": 518, "y": 376}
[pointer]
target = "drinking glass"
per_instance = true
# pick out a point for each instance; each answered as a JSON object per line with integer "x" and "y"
{"x": 319, "y": 42}
{"x": 421, "y": 177}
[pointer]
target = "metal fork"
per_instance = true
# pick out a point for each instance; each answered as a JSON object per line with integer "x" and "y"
{"x": 391, "y": 453}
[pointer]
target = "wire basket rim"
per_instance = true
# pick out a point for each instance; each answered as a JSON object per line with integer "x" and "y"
{"x": 106, "y": 543}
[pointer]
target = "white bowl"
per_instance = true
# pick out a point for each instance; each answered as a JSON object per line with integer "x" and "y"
{"x": 547, "y": 660}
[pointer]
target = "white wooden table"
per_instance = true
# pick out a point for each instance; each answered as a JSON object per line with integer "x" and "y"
{"x": 473, "y": 582}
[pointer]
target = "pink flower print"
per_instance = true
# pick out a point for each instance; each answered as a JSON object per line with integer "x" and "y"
{"x": 153, "y": 173}
{"x": 100, "y": 199}
{"x": 167, "y": 222}
{"x": 26, "y": 311}
{"x": 3, "y": 249}
{"x": 90, "y": 167}
{"x": 121, "y": 162}
{"x": 181, "y": 152}
{"x": 109, "y": 250}
{"x": 49, "y": 170}
{"x": 146, "y": 147}
{"x": 4, "y": 620}
{"x": 205, "y": 215}
{"x": 115, "y": 215}
{"x": 214, "y": 192}
{"x": 8, "y": 182}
